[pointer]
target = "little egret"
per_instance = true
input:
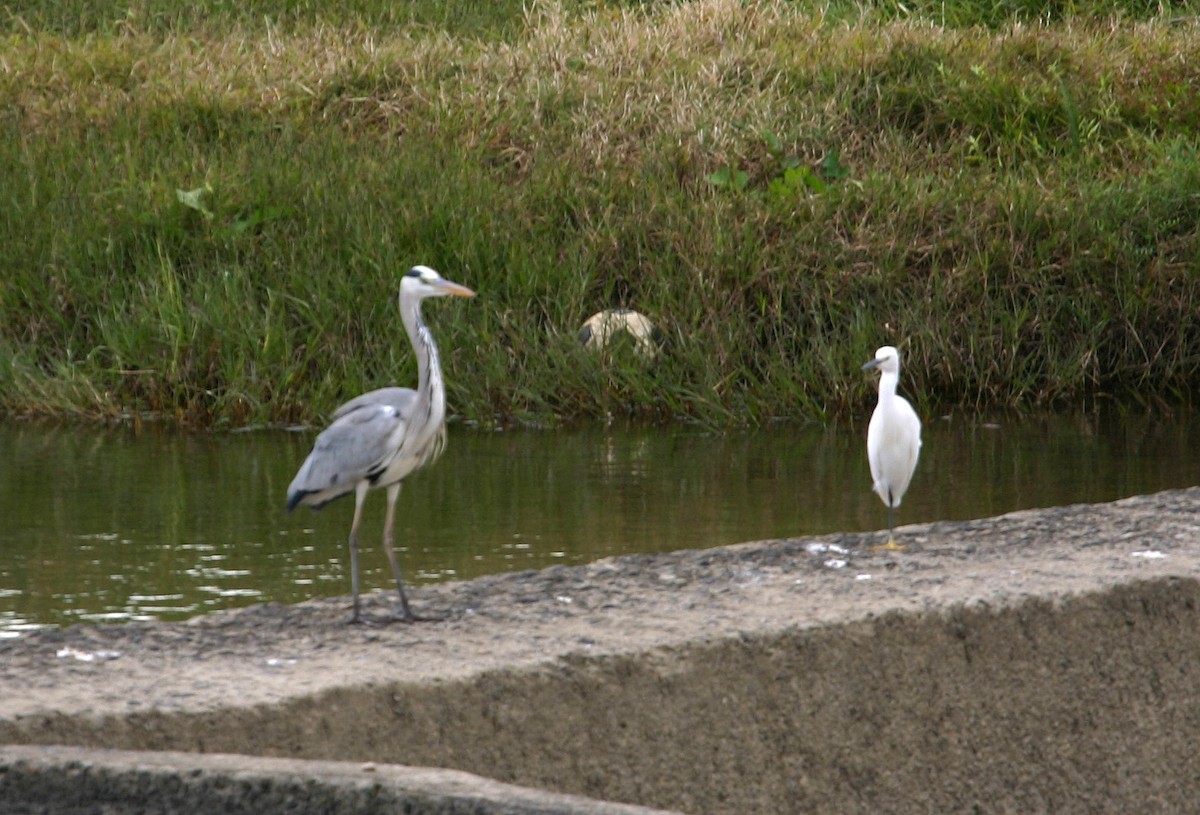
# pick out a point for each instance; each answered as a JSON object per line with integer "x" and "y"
{"x": 893, "y": 438}
{"x": 377, "y": 439}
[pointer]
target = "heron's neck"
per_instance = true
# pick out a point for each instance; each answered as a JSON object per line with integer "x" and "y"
{"x": 429, "y": 369}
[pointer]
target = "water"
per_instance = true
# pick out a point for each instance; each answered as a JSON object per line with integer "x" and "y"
{"x": 118, "y": 524}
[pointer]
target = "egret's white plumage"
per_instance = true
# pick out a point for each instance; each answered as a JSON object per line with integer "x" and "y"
{"x": 893, "y": 437}
{"x": 377, "y": 439}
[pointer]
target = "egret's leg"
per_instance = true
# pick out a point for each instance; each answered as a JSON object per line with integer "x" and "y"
{"x": 360, "y": 494}
{"x": 393, "y": 492}
{"x": 891, "y": 545}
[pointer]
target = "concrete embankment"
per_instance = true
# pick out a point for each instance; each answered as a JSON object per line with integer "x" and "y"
{"x": 1043, "y": 661}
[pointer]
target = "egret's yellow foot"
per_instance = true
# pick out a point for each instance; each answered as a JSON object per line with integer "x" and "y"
{"x": 890, "y": 546}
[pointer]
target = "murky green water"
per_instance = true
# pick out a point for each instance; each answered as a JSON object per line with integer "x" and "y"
{"x": 118, "y": 525}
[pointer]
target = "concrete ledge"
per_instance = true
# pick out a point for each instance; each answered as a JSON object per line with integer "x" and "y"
{"x": 1043, "y": 661}
{"x": 76, "y": 781}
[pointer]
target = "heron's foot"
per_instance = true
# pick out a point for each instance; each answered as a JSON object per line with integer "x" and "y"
{"x": 358, "y": 618}
{"x": 376, "y": 622}
{"x": 400, "y": 614}
{"x": 409, "y": 617}
{"x": 890, "y": 546}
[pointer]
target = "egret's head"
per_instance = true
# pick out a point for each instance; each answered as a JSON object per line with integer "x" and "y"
{"x": 422, "y": 282}
{"x": 887, "y": 359}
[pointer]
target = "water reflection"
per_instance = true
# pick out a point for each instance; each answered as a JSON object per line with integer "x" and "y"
{"x": 122, "y": 525}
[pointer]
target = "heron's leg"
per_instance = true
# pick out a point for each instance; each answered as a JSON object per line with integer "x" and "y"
{"x": 360, "y": 493}
{"x": 393, "y": 492}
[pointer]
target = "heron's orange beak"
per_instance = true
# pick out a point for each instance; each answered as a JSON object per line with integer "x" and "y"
{"x": 453, "y": 288}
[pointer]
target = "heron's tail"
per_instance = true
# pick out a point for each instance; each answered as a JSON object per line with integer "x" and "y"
{"x": 298, "y": 497}
{"x": 294, "y": 499}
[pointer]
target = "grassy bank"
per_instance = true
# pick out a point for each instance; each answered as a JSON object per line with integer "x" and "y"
{"x": 204, "y": 213}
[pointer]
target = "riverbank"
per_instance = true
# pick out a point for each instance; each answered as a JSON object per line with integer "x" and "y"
{"x": 207, "y": 210}
{"x": 1038, "y": 660}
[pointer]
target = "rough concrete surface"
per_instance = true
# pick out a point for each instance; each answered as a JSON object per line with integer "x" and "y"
{"x": 81, "y": 781}
{"x": 1043, "y": 661}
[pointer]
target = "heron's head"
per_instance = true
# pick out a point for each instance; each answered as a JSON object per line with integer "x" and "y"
{"x": 887, "y": 359}
{"x": 421, "y": 282}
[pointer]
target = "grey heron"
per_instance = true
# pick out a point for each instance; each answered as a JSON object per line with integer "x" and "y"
{"x": 377, "y": 439}
{"x": 893, "y": 438}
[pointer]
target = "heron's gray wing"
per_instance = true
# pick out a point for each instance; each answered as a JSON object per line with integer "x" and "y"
{"x": 398, "y": 398}
{"x": 359, "y": 444}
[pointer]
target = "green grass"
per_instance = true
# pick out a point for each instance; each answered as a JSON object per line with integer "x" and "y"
{"x": 205, "y": 211}
{"x": 115, "y": 17}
